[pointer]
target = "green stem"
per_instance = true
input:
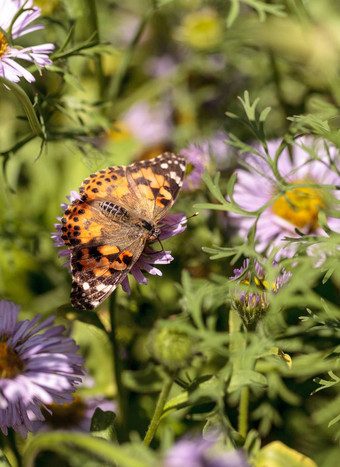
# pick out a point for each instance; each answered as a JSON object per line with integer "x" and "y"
{"x": 163, "y": 396}
{"x": 12, "y": 446}
{"x": 237, "y": 346}
{"x": 117, "y": 368}
{"x": 93, "y": 26}
{"x": 116, "y": 84}
{"x": 243, "y": 412}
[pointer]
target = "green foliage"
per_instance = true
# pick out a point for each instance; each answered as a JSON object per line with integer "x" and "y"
{"x": 176, "y": 356}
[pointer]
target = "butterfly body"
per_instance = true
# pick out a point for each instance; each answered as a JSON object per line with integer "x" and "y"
{"x": 118, "y": 213}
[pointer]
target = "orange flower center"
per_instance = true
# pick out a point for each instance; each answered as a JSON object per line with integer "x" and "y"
{"x": 67, "y": 414}
{"x": 300, "y": 206}
{"x": 3, "y": 44}
{"x": 10, "y": 363}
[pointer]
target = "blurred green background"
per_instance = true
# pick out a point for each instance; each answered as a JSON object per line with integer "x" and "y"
{"x": 159, "y": 79}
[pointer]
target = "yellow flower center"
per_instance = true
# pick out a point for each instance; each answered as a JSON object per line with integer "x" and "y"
{"x": 120, "y": 132}
{"x": 3, "y": 44}
{"x": 10, "y": 363}
{"x": 67, "y": 414}
{"x": 300, "y": 206}
{"x": 201, "y": 29}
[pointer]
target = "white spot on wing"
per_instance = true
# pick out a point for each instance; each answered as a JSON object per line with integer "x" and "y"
{"x": 86, "y": 286}
{"x": 164, "y": 165}
{"x": 101, "y": 287}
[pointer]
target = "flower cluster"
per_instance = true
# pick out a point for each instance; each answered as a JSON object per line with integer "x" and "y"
{"x": 39, "y": 366}
{"x": 16, "y": 17}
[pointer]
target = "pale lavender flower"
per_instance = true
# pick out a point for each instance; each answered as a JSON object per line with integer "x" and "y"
{"x": 161, "y": 67}
{"x": 200, "y": 156}
{"x": 257, "y": 186}
{"x": 219, "y": 149}
{"x": 39, "y": 366}
{"x": 199, "y": 452}
{"x": 170, "y": 225}
{"x": 9, "y": 54}
{"x": 75, "y": 416}
{"x": 197, "y": 158}
{"x": 149, "y": 124}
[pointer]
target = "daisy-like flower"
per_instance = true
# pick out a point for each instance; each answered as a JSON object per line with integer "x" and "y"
{"x": 75, "y": 416}
{"x": 310, "y": 165}
{"x": 197, "y": 157}
{"x": 16, "y": 17}
{"x": 39, "y": 366}
{"x": 200, "y": 155}
{"x": 148, "y": 124}
{"x": 252, "y": 306}
{"x": 200, "y": 452}
{"x": 170, "y": 225}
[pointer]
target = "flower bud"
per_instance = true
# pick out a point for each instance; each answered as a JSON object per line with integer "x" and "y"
{"x": 171, "y": 347}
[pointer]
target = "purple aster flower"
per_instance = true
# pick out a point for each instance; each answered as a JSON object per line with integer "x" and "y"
{"x": 170, "y": 225}
{"x": 198, "y": 157}
{"x": 39, "y": 366}
{"x": 149, "y": 124}
{"x": 253, "y": 305}
{"x": 75, "y": 416}
{"x": 310, "y": 164}
{"x": 199, "y": 452}
{"x": 219, "y": 149}
{"x": 38, "y": 54}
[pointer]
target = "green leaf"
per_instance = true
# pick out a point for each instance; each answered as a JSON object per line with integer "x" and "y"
{"x": 113, "y": 454}
{"x": 277, "y": 454}
{"x": 233, "y": 12}
{"x": 241, "y": 378}
{"x": 3, "y": 460}
{"x": 143, "y": 381}
{"x": 102, "y": 425}
{"x": 26, "y": 104}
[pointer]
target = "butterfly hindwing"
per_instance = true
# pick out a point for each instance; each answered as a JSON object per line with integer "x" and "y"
{"x": 98, "y": 270}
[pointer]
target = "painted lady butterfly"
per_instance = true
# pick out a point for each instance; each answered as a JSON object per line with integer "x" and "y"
{"x": 107, "y": 229}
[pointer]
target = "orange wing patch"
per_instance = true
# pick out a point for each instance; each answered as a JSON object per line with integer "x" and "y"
{"x": 78, "y": 224}
{"x": 92, "y": 261}
{"x": 111, "y": 181}
{"x": 163, "y": 194}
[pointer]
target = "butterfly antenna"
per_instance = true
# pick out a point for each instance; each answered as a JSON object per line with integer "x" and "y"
{"x": 171, "y": 225}
{"x": 186, "y": 219}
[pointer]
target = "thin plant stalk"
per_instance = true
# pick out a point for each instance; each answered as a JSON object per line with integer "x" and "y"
{"x": 163, "y": 397}
{"x": 117, "y": 368}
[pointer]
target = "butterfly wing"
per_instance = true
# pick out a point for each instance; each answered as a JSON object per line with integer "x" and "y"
{"x": 157, "y": 183}
{"x": 98, "y": 270}
{"x": 103, "y": 250}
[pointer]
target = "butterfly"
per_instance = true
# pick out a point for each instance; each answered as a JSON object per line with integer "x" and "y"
{"x": 108, "y": 228}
